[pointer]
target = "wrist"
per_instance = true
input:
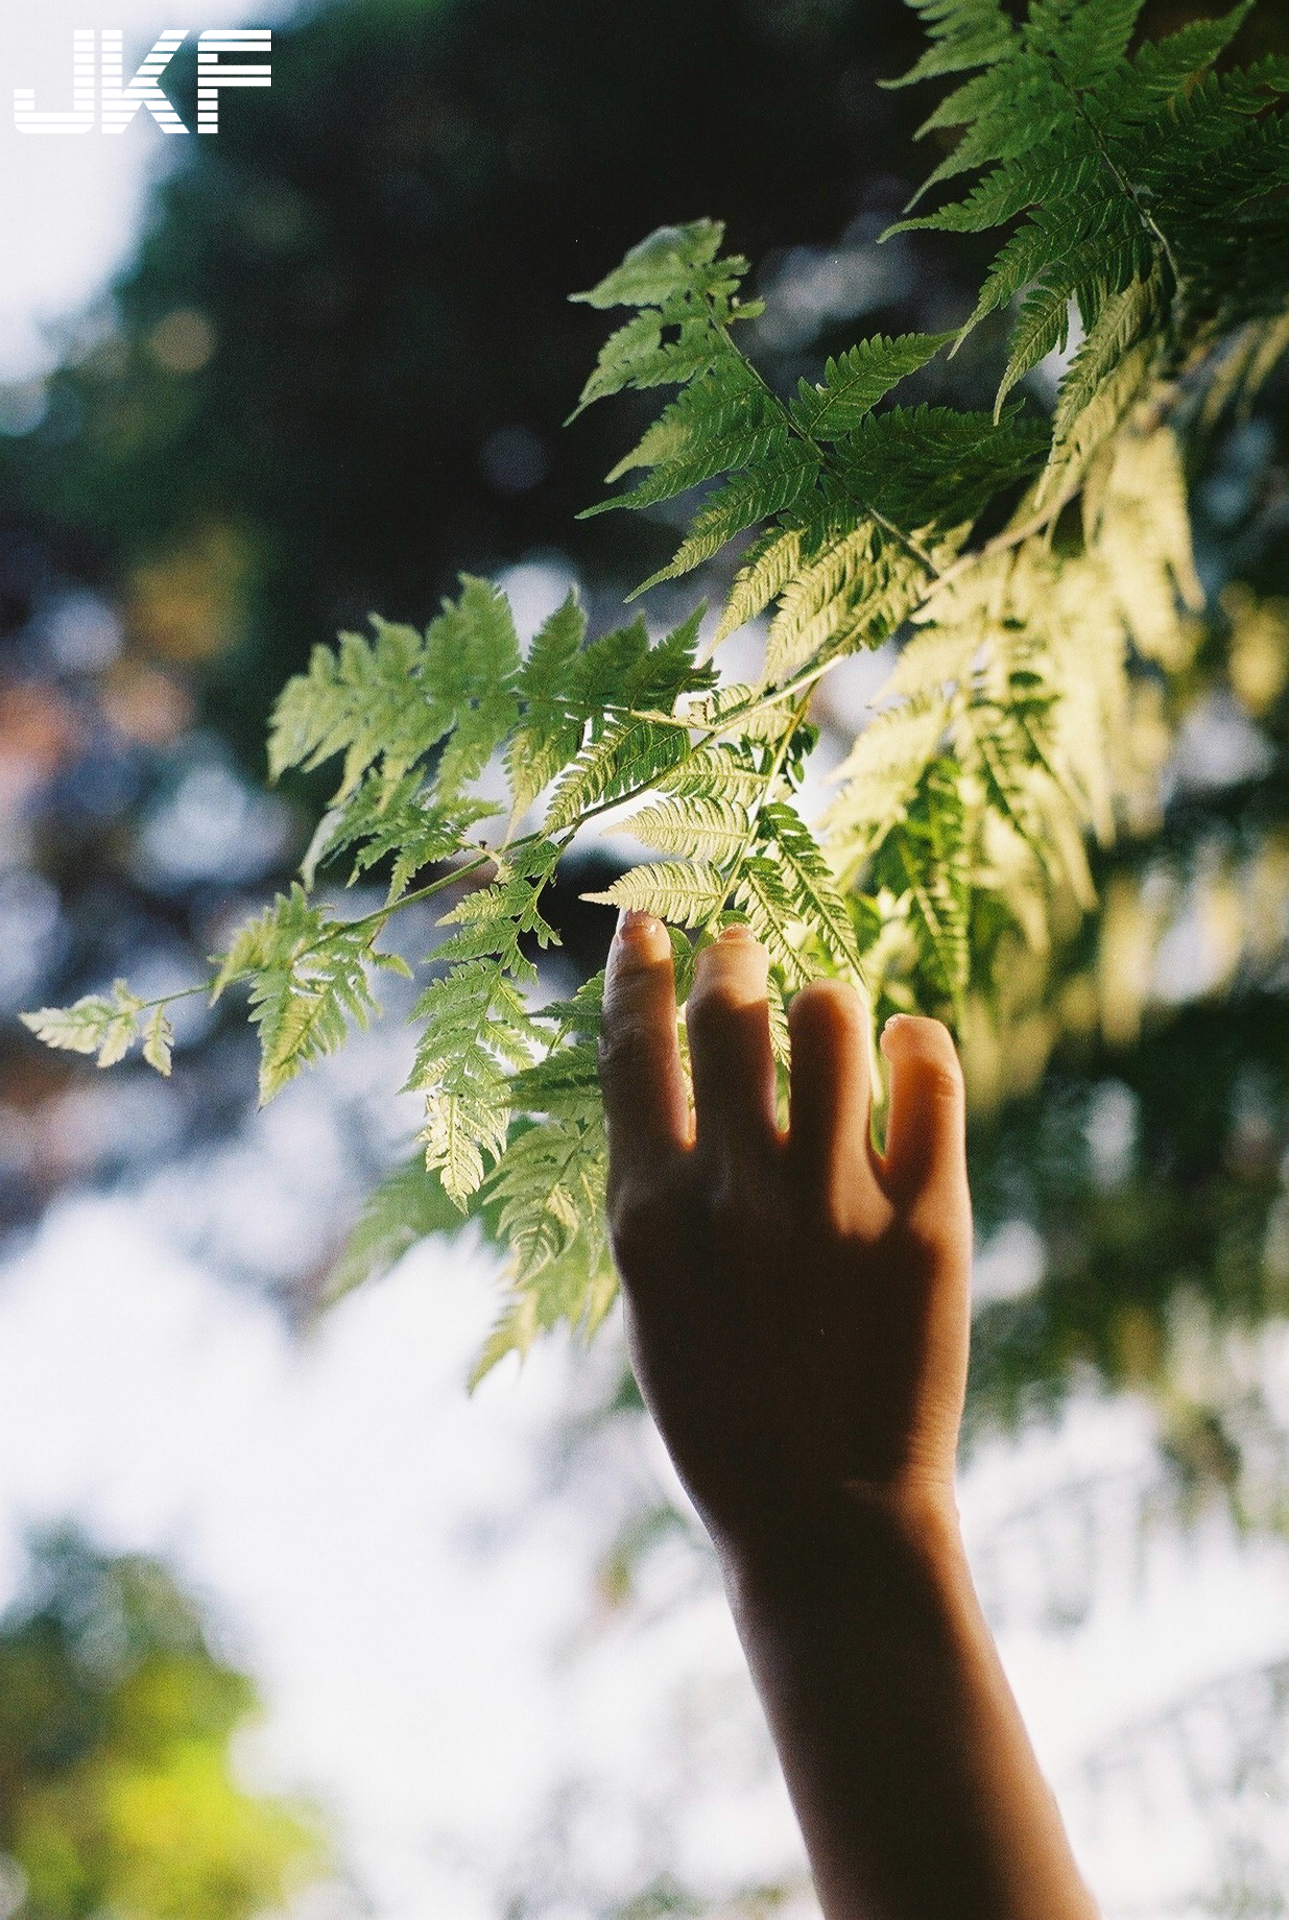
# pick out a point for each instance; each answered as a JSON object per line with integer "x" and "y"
{"x": 820, "y": 1548}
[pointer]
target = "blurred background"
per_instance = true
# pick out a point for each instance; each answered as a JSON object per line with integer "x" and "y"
{"x": 293, "y": 1625}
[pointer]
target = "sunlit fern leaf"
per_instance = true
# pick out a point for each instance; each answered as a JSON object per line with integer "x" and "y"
{"x": 493, "y": 921}
{"x": 926, "y": 858}
{"x": 549, "y": 1186}
{"x": 401, "y": 823}
{"x": 366, "y": 701}
{"x": 474, "y": 1027}
{"x": 819, "y": 906}
{"x": 822, "y": 597}
{"x": 158, "y": 1042}
{"x": 566, "y": 1081}
{"x": 387, "y": 703}
{"x": 724, "y": 771}
{"x": 307, "y": 976}
{"x": 768, "y": 565}
{"x": 577, "y": 1289}
{"x": 550, "y": 728}
{"x": 686, "y": 892}
{"x": 471, "y": 662}
{"x": 629, "y": 756}
{"x": 879, "y": 777}
{"x": 703, "y": 826}
{"x": 763, "y": 894}
{"x": 1106, "y": 410}
{"x": 105, "y": 1024}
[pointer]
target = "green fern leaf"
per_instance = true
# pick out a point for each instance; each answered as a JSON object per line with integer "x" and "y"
{"x": 686, "y": 892}
{"x": 770, "y": 563}
{"x": 673, "y": 265}
{"x": 549, "y": 732}
{"x": 705, "y": 826}
{"x": 762, "y": 893}
{"x": 106, "y": 1024}
{"x": 408, "y": 1206}
{"x": 819, "y": 906}
{"x": 308, "y": 978}
{"x": 783, "y": 474}
{"x": 474, "y": 1027}
{"x": 853, "y": 385}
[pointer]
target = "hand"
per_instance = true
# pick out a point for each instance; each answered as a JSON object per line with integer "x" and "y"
{"x": 797, "y": 1306}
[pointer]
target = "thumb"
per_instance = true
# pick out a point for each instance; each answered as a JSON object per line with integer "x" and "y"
{"x": 926, "y": 1131}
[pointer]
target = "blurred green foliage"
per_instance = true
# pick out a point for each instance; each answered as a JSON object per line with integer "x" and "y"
{"x": 117, "y": 1792}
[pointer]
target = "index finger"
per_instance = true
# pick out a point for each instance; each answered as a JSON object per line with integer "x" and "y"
{"x": 646, "y": 1105}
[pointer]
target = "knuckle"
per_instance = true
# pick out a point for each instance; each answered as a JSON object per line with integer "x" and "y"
{"x": 622, "y": 1046}
{"x": 733, "y": 1202}
{"x": 638, "y": 1213}
{"x": 941, "y": 1078}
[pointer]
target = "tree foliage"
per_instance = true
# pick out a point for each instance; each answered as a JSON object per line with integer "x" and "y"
{"x": 116, "y": 1792}
{"x": 1037, "y": 570}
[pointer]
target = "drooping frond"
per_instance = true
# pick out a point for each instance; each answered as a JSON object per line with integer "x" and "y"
{"x": 107, "y": 1025}
{"x": 308, "y": 977}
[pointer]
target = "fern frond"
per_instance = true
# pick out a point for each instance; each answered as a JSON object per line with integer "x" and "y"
{"x": 406, "y": 1207}
{"x": 399, "y": 821}
{"x": 1122, "y": 321}
{"x": 366, "y": 701}
{"x": 475, "y": 1026}
{"x": 471, "y": 661}
{"x": 810, "y": 884}
{"x": 549, "y": 731}
{"x": 673, "y": 266}
{"x": 965, "y": 34}
{"x": 106, "y": 1024}
{"x": 308, "y": 978}
{"x": 706, "y": 826}
{"x": 685, "y": 892}
{"x": 724, "y": 771}
{"x": 494, "y": 919}
{"x": 768, "y": 566}
{"x": 926, "y": 858}
{"x": 762, "y": 893}
{"x": 782, "y": 476}
{"x": 854, "y": 384}
{"x": 549, "y": 1185}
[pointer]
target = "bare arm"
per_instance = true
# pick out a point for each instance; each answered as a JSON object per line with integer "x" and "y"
{"x": 798, "y": 1316}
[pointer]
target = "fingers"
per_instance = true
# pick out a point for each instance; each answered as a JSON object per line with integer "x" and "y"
{"x": 829, "y": 1141}
{"x": 728, "y": 1020}
{"x": 645, "y": 1104}
{"x": 926, "y": 1133}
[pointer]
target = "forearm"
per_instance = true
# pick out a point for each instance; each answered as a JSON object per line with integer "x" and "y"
{"x": 914, "y": 1781}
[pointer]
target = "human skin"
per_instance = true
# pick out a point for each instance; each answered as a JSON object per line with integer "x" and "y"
{"x": 798, "y": 1314}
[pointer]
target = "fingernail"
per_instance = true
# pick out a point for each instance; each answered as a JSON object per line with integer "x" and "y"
{"x": 634, "y": 920}
{"x": 736, "y": 931}
{"x": 896, "y": 1019}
